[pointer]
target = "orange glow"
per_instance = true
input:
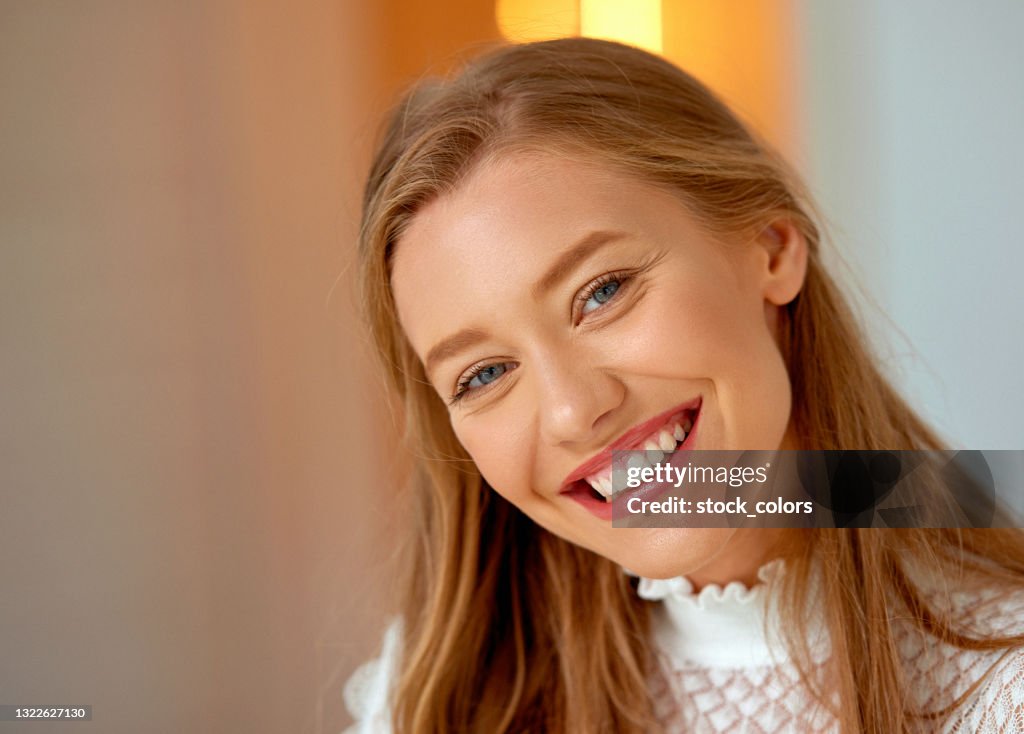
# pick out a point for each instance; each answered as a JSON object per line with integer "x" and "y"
{"x": 522, "y": 21}
{"x": 637, "y": 22}
{"x": 745, "y": 51}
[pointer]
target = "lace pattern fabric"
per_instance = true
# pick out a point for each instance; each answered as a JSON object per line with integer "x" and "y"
{"x": 698, "y": 698}
{"x": 726, "y": 673}
{"x": 770, "y": 700}
{"x": 762, "y": 699}
{"x": 368, "y": 689}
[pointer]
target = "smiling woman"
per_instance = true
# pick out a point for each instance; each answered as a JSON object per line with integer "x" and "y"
{"x": 574, "y": 248}
{"x": 597, "y": 309}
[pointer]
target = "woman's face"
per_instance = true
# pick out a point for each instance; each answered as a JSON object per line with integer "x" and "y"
{"x": 561, "y": 308}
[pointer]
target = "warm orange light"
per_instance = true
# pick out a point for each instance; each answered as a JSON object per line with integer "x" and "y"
{"x": 745, "y": 49}
{"x": 636, "y": 22}
{"x": 522, "y": 21}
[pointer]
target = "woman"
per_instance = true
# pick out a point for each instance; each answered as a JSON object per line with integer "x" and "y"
{"x": 574, "y": 247}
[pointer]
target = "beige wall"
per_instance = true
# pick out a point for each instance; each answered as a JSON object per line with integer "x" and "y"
{"x": 188, "y": 429}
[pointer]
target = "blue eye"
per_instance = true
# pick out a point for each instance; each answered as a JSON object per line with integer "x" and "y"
{"x": 600, "y": 295}
{"x": 487, "y": 375}
{"x": 479, "y": 377}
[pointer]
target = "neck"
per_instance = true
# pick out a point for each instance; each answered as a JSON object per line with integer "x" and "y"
{"x": 741, "y": 557}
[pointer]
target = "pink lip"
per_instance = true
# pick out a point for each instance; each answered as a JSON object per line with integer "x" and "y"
{"x": 630, "y": 440}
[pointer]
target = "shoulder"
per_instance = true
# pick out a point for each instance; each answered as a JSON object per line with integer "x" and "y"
{"x": 991, "y": 611}
{"x": 367, "y": 693}
{"x": 976, "y": 605}
{"x": 988, "y": 683}
{"x": 998, "y": 703}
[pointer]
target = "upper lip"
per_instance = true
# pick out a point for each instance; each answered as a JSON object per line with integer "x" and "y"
{"x": 629, "y": 440}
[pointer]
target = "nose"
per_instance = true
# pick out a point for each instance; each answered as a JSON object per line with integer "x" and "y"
{"x": 575, "y": 397}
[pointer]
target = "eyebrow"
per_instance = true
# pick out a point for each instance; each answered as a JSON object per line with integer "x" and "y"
{"x": 566, "y": 263}
{"x": 452, "y": 345}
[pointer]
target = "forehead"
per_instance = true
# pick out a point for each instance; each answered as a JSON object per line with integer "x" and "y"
{"x": 469, "y": 254}
{"x": 514, "y": 200}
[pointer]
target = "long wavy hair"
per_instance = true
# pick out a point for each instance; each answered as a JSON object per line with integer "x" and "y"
{"x": 502, "y": 627}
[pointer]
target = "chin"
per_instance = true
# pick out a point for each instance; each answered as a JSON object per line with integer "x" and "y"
{"x": 665, "y": 553}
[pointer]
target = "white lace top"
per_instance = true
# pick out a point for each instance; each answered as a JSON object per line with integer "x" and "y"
{"x": 728, "y": 672}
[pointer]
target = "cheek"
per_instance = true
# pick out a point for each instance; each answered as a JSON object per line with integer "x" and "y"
{"x": 709, "y": 332}
{"x": 722, "y": 335}
{"x": 501, "y": 453}
{"x": 756, "y": 394}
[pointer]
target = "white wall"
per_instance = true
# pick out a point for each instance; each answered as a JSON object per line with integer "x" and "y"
{"x": 913, "y": 118}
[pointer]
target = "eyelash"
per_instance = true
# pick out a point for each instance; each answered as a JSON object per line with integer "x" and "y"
{"x": 462, "y": 388}
{"x": 588, "y": 291}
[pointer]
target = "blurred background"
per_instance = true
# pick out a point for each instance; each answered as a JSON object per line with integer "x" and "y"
{"x": 197, "y": 472}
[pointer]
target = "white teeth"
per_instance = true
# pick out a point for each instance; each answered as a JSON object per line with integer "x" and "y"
{"x": 603, "y": 484}
{"x": 665, "y": 441}
{"x": 652, "y": 453}
{"x": 643, "y": 459}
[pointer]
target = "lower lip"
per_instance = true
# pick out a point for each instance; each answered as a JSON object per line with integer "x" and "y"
{"x": 603, "y": 510}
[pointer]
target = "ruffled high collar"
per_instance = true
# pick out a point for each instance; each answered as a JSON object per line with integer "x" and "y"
{"x": 735, "y": 592}
{"x": 719, "y": 626}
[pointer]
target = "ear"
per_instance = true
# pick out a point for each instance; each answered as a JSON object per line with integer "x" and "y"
{"x": 784, "y": 262}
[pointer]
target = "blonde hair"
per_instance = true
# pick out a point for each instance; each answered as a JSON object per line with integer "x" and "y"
{"x": 501, "y": 629}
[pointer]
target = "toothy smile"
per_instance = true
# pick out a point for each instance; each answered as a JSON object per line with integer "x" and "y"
{"x": 664, "y": 441}
{"x": 651, "y": 440}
